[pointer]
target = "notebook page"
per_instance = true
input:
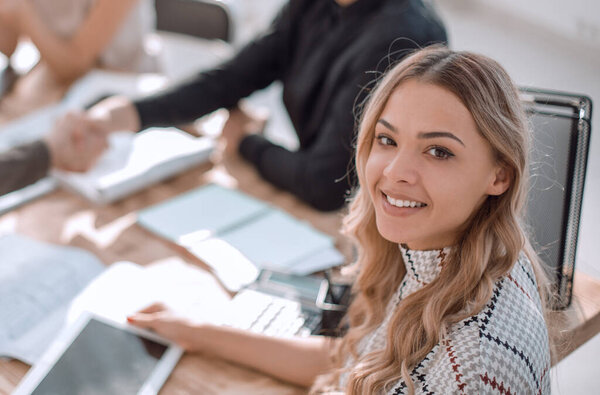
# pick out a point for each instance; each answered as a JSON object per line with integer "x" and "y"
{"x": 277, "y": 240}
{"x": 37, "y": 283}
{"x": 125, "y": 287}
{"x": 194, "y": 216}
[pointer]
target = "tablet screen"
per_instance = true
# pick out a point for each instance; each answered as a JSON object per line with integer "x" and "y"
{"x": 103, "y": 359}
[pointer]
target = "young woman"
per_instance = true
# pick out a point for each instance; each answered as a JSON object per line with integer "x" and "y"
{"x": 449, "y": 296}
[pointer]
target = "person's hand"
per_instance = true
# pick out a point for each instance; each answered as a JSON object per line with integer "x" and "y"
{"x": 158, "y": 318}
{"x": 75, "y": 144}
{"x": 116, "y": 113}
{"x": 240, "y": 124}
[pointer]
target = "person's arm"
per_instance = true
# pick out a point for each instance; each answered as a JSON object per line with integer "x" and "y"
{"x": 320, "y": 175}
{"x": 296, "y": 360}
{"x": 23, "y": 165}
{"x": 256, "y": 66}
{"x": 70, "y": 58}
{"x": 67, "y": 147}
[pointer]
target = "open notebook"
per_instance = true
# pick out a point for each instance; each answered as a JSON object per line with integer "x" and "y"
{"x": 238, "y": 235}
{"x": 135, "y": 161}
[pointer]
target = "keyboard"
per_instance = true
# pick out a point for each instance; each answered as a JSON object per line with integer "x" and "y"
{"x": 271, "y": 315}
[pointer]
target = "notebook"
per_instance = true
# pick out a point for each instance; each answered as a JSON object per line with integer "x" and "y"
{"x": 135, "y": 161}
{"x": 238, "y": 235}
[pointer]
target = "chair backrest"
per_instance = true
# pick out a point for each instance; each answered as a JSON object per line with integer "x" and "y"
{"x": 200, "y": 18}
{"x": 561, "y": 126}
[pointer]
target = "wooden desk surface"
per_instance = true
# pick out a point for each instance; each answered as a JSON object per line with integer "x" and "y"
{"x": 111, "y": 233}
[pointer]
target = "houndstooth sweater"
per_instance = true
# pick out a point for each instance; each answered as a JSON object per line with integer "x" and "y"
{"x": 502, "y": 350}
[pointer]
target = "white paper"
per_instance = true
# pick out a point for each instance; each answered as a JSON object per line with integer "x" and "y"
{"x": 231, "y": 266}
{"x": 125, "y": 288}
{"x": 38, "y": 281}
{"x": 98, "y": 84}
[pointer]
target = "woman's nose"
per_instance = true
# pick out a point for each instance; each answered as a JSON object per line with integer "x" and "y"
{"x": 402, "y": 168}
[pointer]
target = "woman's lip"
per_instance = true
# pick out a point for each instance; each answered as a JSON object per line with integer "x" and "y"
{"x": 393, "y": 200}
{"x": 398, "y": 211}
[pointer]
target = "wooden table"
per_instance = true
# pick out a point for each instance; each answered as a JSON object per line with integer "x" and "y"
{"x": 581, "y": 321}
{"x": 111, "y": 233}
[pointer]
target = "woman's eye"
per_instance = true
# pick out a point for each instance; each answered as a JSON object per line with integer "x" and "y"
{"x": 385, "y": 140}
{"x": 440, "y": 153}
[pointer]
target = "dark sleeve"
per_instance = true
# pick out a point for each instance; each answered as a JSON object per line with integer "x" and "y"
{"x": 256, "y": 66}
{"x": 322, "y": 174}
{"x": 23, "y": 165}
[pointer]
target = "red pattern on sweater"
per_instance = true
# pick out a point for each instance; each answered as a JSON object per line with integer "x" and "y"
{"x": 495, "y": 385}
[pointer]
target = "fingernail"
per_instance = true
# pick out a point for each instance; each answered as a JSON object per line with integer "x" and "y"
{"x": 130, "y": 319}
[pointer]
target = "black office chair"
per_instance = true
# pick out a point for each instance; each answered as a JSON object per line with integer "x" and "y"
{"x": 200, "y": 18}
{"x": 561, "y": 124}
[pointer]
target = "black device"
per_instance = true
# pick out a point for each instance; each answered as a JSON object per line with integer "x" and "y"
{"x": 561, "y": 125}
{"x": 323, "y": 302}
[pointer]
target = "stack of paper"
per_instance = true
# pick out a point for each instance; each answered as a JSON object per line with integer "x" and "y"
{"x": 238, "y": 235}
{"x": 135, "y": 161}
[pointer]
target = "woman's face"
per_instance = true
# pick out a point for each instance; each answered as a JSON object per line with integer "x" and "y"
{"x": 429, "y": 168}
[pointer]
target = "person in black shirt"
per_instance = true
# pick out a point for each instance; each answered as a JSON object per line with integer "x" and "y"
{"x": 326, "y": 53}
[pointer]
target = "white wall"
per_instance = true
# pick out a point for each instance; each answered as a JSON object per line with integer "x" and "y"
{"x": 573, "y": 19}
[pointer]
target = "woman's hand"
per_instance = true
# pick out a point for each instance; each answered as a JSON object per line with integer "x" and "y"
{"x": 158, "y": 318}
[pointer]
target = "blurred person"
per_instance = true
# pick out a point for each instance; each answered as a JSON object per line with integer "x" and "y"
{"x": 73, "y": 36}
{"x": 66, "y": 147}
{"x": 325, "y": 53}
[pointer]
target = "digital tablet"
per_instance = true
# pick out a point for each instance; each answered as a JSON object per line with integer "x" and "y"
{"x": 98, "y": 356}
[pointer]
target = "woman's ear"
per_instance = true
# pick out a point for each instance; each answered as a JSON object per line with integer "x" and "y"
{"x": 500, "y": 182}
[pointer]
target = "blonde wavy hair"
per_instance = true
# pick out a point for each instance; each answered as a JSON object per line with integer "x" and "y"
{"x": 487, "y": 250}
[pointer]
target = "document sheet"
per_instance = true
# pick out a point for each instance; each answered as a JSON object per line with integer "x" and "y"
{"x": 37, "y": 283}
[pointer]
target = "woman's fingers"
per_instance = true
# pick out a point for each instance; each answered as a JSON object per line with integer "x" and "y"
{"x": 153, "y": 308}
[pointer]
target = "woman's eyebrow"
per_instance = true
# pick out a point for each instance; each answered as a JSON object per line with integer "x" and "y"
{"x": 387, "y": 125}
{"x": 423, "y": 135}
{"x": 431, "y": 135}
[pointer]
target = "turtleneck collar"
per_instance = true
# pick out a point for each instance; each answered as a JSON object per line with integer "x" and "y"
{"x": 423, "y": 266}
